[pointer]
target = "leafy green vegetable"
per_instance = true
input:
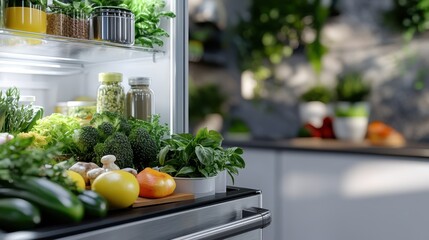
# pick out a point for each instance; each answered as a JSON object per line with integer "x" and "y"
{"x": 72, "y": 9}
{"x": 148, "y": 14}
{"x": 202, "y": 155}
{"x": 58, "y": 129}
{"x": 18, "y": 159}
{"x": 16, "y": 118}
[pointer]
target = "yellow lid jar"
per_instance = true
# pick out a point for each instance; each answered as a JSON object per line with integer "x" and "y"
{"x": 111, "y": 95}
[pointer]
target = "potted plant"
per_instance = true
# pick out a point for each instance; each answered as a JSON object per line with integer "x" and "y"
{"x": 314, "y": 107}
{"x": 351, "y": 109}
{"x": 206, "y": 102}
{"x": 195, "y": 160}
{"x": 237, "y": 129}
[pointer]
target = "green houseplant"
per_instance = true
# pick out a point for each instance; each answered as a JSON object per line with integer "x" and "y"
{"x": 313, "y": 106}
{"x": 199, "y": 156}
{"x": 205, "y": 101}
{"x": 351, "y": 88}
{"x": 318, "y": 93}
{"x": 273, "y": 33}
{"x": 351, "y": 108}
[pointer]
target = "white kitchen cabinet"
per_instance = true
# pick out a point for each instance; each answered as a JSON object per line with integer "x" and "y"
{"x": 321, "y": 195}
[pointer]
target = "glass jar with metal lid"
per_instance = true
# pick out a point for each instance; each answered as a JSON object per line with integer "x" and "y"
{"x": 140, "y": 99}
{"x": 111, "y": 95}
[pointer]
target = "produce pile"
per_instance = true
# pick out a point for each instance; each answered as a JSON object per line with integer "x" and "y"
{"x": 54, "y": 166}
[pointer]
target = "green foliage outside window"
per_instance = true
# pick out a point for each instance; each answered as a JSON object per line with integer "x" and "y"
{"x": 274, "y": 31}
{"x": 409, "y": 16}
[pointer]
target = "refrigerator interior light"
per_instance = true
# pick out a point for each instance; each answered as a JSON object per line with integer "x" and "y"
{"x": 36, "y": 67}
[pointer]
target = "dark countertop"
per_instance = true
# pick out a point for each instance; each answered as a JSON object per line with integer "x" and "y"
{"x": 123, "y": 216}
{"x": 415, "y": 150}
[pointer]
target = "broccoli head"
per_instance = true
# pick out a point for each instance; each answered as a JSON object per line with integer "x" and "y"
{"x": 144, "y": 148}
{"x": 105, "y": 129}
{"x": 85, "y": 140}
{"x": 119, "y": 122}
{"x": 116, "y": 144}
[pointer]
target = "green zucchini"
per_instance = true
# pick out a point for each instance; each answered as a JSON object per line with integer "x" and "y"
{"x": 94, "y": 204}
{"x": 18, "y": 214}
{"x": 52, "y": 199}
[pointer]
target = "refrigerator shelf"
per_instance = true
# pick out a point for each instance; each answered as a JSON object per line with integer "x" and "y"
{"x": 34, "y": 47}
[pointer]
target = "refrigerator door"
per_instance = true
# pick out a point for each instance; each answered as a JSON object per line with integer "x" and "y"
{"x": 236, "y": 219}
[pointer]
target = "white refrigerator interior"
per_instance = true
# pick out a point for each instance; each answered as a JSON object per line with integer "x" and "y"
{"x": 57, "y": 70}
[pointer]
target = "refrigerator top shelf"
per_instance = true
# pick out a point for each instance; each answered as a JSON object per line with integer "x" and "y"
{"x": 26, "y": 46}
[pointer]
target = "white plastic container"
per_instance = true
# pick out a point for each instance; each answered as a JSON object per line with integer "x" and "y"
{"x": 221, "y": 182}
{"x": 200, "y": 187}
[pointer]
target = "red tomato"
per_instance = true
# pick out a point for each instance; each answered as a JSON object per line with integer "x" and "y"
{"x": 155, "y": 184}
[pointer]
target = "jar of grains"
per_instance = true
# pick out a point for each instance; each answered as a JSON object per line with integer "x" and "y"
{"x": 110, "y": 96}
{"x": 63, "y": 19}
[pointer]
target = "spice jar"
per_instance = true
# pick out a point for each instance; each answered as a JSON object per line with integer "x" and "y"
{"x": 110, "y": 96}
{"x": 140, "y": 98}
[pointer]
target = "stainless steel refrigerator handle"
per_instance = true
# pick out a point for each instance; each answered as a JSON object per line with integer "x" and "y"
{"x": 253, "y": 218}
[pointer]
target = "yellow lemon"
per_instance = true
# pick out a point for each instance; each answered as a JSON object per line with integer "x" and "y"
{"x": 77, "y": 178}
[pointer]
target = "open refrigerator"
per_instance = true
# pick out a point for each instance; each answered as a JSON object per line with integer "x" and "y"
{"x": 58, "y": 69}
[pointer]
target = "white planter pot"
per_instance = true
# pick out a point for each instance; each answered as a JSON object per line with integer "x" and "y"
{"x": 313, "y": 112}
{"x": 200, "y": 187}
{"x": 350, "y": 128}
{"x": 220, "y": 181}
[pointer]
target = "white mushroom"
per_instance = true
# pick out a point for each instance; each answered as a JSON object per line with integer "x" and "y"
{"x": 130, "y": 170}
{"x": 94, "y": 173}
{"x": 82, "y": 168}
{"x": 108, "y": 162}
{"x": 5, "y": 137}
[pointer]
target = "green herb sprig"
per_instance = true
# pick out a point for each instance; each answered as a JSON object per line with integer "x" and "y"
{"x": 18, "y": 159}
{"x": 16, "y": 118}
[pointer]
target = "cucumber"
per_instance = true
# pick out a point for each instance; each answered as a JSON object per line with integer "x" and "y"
{"x": 18, "y": 214}
{"x": 52, "y": 199}
{"x": 94, "y": 204}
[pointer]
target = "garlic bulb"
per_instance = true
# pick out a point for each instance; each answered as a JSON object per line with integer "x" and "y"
{"x": 83, "y": 168}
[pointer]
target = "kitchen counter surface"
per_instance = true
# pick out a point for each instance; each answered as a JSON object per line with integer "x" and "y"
{"x": 418, "y": 151}
{"x": 124, "y": 216}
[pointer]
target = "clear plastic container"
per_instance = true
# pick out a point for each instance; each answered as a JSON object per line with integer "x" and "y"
{"x": 140, "y": 99}
{"x": 23, "y": 15}
{"x": 111, "y": 95}
{"x": 68, "y": 23}
{"x": 84, "y": 110}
